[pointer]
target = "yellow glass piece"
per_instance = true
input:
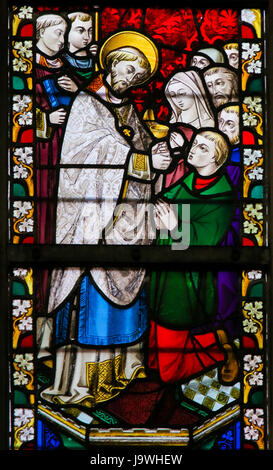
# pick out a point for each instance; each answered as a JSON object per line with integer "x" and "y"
{"x": 109, "y": 378}
{"x": 245, "y": 283}
{"x": 257, "y": 23}
{"x": 16, "y": 239}
{"x": 15, "y": 24}
{"x": 140, "y": 162}
{"x": 29, "y": 83}
{"x": 29, "y": 281}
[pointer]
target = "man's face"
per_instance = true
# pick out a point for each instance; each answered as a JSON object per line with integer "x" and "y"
{"x": 80, "y": 35}
{"x": 53, "y": 37}
{"x": 125, "y": 73}
{"x": 199, "y": 61}
{"x": 233, "y": 57}
{"x": 202, "y": 152}
{"x": 229, "y": 124}
{"x": 220, "y": 88}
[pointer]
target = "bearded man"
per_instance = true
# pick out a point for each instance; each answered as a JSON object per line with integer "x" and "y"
{"x": 228, "y": 123}
{"x": 108, "y": 159}
{"x": 222, "y": 84}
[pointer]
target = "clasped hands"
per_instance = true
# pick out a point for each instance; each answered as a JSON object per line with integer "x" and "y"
{"x": 164, "y": 215}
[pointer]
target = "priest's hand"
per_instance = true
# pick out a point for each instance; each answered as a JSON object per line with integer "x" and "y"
{"x": 161, "y": 157}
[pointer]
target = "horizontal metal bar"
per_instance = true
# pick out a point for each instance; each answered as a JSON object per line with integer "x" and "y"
{"x": 93, "y": 255}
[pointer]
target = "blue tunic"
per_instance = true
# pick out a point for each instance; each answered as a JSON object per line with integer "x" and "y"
{"x": 101, "y": 323}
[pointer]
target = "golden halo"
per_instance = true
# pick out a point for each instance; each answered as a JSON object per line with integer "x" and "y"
{"x": 131, "y": 39}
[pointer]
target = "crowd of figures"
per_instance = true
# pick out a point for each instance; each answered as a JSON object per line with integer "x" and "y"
{"x": 101, "y": 166}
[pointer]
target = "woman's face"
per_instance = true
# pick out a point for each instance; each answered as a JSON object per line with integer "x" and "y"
{"x": 180, "y": 95}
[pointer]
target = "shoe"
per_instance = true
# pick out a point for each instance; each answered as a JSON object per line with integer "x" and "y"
{"x": 230, "y": 370}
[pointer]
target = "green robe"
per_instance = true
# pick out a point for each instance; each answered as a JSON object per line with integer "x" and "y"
{"x": 186, "y": 299}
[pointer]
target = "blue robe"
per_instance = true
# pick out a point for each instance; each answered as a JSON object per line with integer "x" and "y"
{"x": 100, "y": 323}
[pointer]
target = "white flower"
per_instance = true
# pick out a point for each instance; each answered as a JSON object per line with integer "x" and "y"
{"x": 256, "y": 378}
{"x": 22, "y": 416}
{"x": 254, "y": 67}
{"x": 256, "y": 173}
{"x": 248, "y": 15}
{"x": 251, "y": 434}
{"x": 25, "y": 12}
{"x": 251, "y": 156}
{"x": 25, "y": 119}
{"x": 254, "y": 104}
{"x": 250, "y": 227}
{"x": 20, "y": 171}
{"x": 19, "y": 65}
{"x": 20, "y": 307}
{"x": 24, "y": 154}
{"x": 254, "y": 275}
{"x": 25, "y": 324}
{"x": 250, "y": 326}
{"x": 25, "y": 361}
{"x": 27, "y": 434}
{"x": 26, "y": 225}
{"x": 20, "y": 378}
{"x": 20, "y": 102}
{"x": 21, "y": 208}
{"x": 254, "y": 211}
{"x": 20, "y": 272}
{"x": 251, "y": 362}
{"x": 249, "y": 120}
{"x": 254, "y": 309}
{"x": 24, "y": 48}
{"x": 249, "y": 50}
{"x": 255, "y": 416}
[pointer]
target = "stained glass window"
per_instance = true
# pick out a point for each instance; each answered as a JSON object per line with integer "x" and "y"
{"x": 138, "y": 216}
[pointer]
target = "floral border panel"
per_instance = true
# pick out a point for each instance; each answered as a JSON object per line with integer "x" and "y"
{"x": 253, "y": 326}
{"x": 21, "y": 146}
{"x": 252, "y": 118}
{"x": 22, "y": 377}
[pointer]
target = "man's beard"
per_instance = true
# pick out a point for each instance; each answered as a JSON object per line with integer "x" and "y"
{"x": 220, "y": 99}
{"x": 234, "y": 140}
{"x": 118, "y": 86}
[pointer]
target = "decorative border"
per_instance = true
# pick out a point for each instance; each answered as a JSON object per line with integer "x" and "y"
{"x": 253, "y": 329}
{"x": 254, "y": 226}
